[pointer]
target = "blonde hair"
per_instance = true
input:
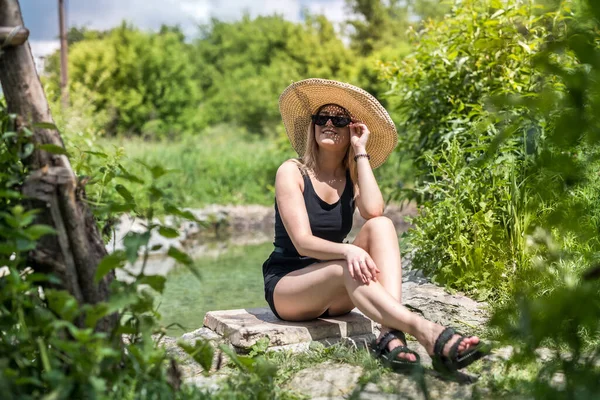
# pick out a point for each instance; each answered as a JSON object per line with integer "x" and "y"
{"x": 308, "y": 162}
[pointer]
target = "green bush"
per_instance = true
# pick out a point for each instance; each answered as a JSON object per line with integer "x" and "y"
{"x": 482, "y": 49}
{"x": 243, "y": 66}
{"x": 142, "y": 83}
{"x": 546, "y": 140}
{"x": 470, "y": 232}
{"x": 472, "y": 229}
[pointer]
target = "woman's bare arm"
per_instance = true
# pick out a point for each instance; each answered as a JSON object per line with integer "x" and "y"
{"x": 369, "y": 199}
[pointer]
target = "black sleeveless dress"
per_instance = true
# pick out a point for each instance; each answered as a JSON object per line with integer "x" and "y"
{"x": 327, "y": 221}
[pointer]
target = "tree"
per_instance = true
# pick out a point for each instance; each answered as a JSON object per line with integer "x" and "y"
{"x": 376, "y": 24}
{"x": 142, "y": 82}
{"x": 430, "y": 9}
{"x": 74, "y": 253}
{"x": 243, "y": 66}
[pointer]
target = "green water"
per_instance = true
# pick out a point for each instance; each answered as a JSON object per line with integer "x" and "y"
{"x": 232, "y": 280}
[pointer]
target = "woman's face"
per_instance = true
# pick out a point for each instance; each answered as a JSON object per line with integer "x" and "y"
{"x": 329, "y": 135}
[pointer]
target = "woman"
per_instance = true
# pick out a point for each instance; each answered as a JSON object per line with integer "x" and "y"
{"x": 312, "y": 273}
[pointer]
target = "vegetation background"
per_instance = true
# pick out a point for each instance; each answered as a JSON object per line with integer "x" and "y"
{"x": 496, "y": 106}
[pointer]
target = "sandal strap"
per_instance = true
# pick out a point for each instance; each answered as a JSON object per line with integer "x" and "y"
{"x": 443, "y": 338}
{"x": 399, "y": 334}
{"x": 381, "y": 347}
{"x": 453, "y": 354}
{"x": 393, "y": 355}
{"x": 390, "y": 335}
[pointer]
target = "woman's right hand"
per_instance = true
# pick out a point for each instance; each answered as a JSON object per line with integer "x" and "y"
{"x": 360, "y": 264}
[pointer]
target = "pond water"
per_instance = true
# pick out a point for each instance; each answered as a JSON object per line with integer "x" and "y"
{"x": 232, "y": 279}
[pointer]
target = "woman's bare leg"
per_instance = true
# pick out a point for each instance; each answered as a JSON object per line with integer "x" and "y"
{"x": 307, "y": 293}
{"x": 379, "y": 238}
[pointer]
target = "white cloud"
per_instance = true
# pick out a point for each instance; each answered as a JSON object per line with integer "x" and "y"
{"x": 41, "y": 49}
{"x": 42, "y": 18}
{"x": 334, "y": 10}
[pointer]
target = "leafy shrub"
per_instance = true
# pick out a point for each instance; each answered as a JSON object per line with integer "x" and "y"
{"x": 554, "y": 303}
{"x": 49, "y": 344}
{"x": 141, "y": 82}
{"x": 471, "y": 232}
{"x": 439, "y": 91}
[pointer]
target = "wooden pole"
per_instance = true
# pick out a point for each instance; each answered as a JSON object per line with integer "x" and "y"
{"x": 74, "y": 253}
{"x": 64, "y": 77}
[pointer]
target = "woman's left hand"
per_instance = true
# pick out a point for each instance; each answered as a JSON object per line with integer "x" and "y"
{"x": 359, "y": 135}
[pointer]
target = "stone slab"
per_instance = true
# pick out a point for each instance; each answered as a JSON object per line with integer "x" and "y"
{"x": 326, "y": 381}
{"x": 437, "y": 305}
{"x": 244, "y": 327}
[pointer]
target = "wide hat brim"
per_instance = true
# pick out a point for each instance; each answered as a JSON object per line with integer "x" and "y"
{"x": 302, "y": 99}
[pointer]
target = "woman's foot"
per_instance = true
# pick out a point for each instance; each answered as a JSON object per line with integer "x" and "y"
{"x": 467, "y": 343}
{"x": 390, "y": 348}
{"x": 396, "y": 343}
{"x": 451, "y": 351}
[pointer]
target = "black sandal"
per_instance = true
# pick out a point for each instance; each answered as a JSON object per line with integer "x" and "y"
{"x": 454, "y": 360}
{"x": 390, "y": 358}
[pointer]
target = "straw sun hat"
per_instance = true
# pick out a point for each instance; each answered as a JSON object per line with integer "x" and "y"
{"x": 303, "y": 98}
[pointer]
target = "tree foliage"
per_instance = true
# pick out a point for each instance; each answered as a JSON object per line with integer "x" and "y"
{"x": 471, "y": 232}
{"x": 376, "y": 23}
{"x": 142, "y": 83}
{"x": 243, "y": 66}
{"x": 484, "y": 49}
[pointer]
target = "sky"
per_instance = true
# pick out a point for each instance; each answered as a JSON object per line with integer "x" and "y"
{"x": 41, "y": 16}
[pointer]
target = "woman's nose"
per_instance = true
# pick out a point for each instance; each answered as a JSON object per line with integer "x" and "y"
{"x": 329, "y": 122}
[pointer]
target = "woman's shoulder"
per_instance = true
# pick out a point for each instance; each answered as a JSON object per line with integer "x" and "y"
{"x": 290, "y": 171}
{"x": 293, "y": 166}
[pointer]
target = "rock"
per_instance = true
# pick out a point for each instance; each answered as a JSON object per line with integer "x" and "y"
{"x": 203, "y": 334}
{"x": 406, "y": 387}
{"x": 331, "y": 380}
{"x": 244, "y": 327}
{"x": 396, "y": 212}
{"x": 435, "y": 304}
{"x": 210, "y": 383}
{"x": 188, "y": 367}
{"x": 327, "y": 380}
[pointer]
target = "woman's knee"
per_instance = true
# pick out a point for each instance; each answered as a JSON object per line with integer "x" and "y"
{"x": 339, "y": 268}
{"x": 379, "y": 224}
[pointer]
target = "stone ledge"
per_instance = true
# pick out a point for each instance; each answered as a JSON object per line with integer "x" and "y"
{"x": 244, "y": 327}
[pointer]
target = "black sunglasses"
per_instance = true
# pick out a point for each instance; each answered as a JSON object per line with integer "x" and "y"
{"x": 338, "y": 121}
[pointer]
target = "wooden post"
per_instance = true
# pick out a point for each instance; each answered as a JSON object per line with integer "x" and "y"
{"x": 74, "y": 253}
{"x": 64, "y": 76}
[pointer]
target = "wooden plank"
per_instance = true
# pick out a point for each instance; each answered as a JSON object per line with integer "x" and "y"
{"x": 16, "y": 38}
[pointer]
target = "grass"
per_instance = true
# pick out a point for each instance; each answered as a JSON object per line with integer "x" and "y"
{"x": 226, "y": 165}
{"x": 497, "y": 379}
{"x": 219, "y": 166}
{"x": 234, "y": 280}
